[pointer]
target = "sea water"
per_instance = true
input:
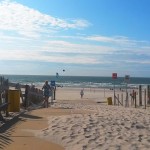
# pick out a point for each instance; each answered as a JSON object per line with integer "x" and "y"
{"x": 79, "y": 81}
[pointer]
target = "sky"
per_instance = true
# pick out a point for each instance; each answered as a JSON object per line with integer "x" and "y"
{"x": 82, "y": 37}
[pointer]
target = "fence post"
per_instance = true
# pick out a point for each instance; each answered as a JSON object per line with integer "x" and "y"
{"x": 148, "y": 94}
{"x": 26, "y": 103}
{"x": 145, "y": 97}
{"x": 135, "y": 98}
{"x": 118, "y": 98}
{"x": 140, "y": 95}
{"x": 122, "y": 98}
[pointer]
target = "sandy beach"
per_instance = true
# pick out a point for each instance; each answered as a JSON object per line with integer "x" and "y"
{"x": 73, "y": 123}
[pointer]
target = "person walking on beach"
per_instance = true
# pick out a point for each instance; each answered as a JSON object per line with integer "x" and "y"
{"x": 81, "y": 93}
{"x": 47, "y": 89}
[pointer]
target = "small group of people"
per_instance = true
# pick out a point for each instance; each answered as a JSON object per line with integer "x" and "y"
{"x": 47, "y": 92}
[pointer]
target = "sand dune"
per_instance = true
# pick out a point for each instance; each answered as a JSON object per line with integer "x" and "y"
{"x": 105, "y": 127}
{"x": 72, "y": 123}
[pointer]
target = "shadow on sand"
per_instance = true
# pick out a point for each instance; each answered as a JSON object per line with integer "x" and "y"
{"x": 7, "y": 129}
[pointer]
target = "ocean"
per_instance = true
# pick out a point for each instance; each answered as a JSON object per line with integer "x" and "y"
{"x": 79, "y": 81}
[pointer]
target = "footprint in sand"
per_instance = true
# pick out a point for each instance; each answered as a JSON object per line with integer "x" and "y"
{"x": 56, "y": 133}
{"x": 45, "y": 133}
{"x": 53, "y": 126}
{"x": 64, "y": 137}
{"x": 73, "y": 136}
{"x": 87, "y": 135}
{"x": 65, "y": 128}
{"x": 140, "y": 138}
{"x": 140, "y": 126}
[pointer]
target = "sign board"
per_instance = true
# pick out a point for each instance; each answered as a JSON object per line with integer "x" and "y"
{"x": 114, "y": 75}
{"x": 127, "y": 78}
{"x": 53, "y": 83}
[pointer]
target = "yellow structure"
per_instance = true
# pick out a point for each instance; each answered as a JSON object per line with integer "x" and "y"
{"x": 109, "y": 100}
{"x": 14, "y": 100}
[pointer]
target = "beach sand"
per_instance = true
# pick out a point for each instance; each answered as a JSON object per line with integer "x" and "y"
{"x": 72, "y": 123}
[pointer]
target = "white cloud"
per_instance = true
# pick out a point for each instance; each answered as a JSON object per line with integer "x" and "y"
{"x": 59, "y": 51}
{"x": 38, "y": 56}
{"x": 138, "y": 61}
{"x": 11, "y": 38}
{"x": 122, "y": 45}
{"x": 68, "y": 47}
{"x": 120, "y": 40}
{"x": 83, "y": 50}
{"x": 30, "y": 22}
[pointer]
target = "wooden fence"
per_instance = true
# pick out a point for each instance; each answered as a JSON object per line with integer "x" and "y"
{"x": 28, "y": 94}
{"x": 4, "y": 86}
{"x": 137, "y": 98}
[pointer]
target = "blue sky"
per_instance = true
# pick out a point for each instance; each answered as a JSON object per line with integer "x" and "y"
{"x": 84, "y": 37}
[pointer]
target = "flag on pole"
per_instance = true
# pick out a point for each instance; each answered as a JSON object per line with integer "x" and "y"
{"x": 114, "y": 75}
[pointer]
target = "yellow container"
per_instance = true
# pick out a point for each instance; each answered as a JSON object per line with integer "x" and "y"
{"x": 14, "y": 100}
{"x": 109, "y": 100}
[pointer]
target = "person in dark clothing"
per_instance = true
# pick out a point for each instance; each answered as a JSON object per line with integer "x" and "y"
{"x": 46, "y": 93}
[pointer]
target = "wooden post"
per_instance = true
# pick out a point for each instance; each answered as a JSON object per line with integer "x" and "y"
{"x": 148, "y": 94}
{"x": 145, "y": 98}
{"x": 135, "y": 98}
{"x": 54, "y": 92}
{"x": 26, "y": 103}
{"x": 140, "y": 95}
{"x": 6, "y": 100}
{"x": 127, "y": 100}
{"x": 114, "y": 77}
{"x": 122, "y": 98}
{"x": 52, "y": 97}
{"x": 131, "y": 95}
{"x": 114, "y": 95}
{"x": 118, "y": 99}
